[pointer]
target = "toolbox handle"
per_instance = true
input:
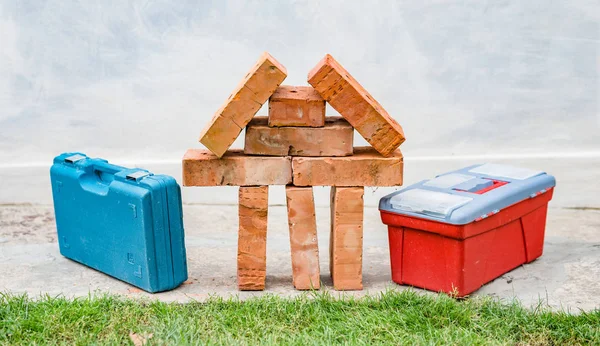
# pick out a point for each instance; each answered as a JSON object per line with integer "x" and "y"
{"x": 107, "y": 168}
{"x": 99, "y": 175}
{"x": 105, "y": 171}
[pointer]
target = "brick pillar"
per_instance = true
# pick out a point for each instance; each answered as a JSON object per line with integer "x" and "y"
{"x": 303, "y": 237}
{"x": 346, "y": 241}
{"x": 252, "y": 238}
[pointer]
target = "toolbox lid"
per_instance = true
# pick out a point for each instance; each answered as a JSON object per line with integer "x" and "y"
{"x": 469, "y": 194}
{"x": 104, "y": 171}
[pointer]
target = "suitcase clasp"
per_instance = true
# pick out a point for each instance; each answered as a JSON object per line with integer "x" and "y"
{"x": 74, "y": 158}
{"x": 135, "y": 176}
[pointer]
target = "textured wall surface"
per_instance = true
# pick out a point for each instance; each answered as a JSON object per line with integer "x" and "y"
{"x": 137, "y": 80}
{"x": 140, "y": 79}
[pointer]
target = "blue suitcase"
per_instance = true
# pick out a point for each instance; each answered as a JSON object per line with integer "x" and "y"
{"x": 126, "y": 223}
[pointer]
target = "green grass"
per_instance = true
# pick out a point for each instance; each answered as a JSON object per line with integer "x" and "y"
{"x": 403, "y": 317}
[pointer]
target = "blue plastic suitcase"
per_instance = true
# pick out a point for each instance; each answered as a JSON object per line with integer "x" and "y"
{"x": 126, "y": 223}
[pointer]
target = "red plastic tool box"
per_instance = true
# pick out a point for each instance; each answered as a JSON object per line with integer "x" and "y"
{"x": 465, "y": 228}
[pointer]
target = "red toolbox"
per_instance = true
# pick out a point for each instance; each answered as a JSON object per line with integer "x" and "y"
{"x": 465, "y": 228}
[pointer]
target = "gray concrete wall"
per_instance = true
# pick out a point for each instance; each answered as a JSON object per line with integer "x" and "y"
{"x": 136, "y": 81}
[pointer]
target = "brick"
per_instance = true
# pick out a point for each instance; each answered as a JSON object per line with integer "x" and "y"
{"x": 252, "y": 238}
{"x": 356, "y": 105}
{"x": 303, "y": 237}
{"x": 365, "y": 168}
{"x": 203, "y": 168}
{"x": 243, "y": 103}
{"x": 346, "y": 239}
{"x": 296, "y": 106}
{"x": 334, "y": 139}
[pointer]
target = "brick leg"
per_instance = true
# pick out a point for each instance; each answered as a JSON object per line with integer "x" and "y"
{"x": 303, "y": 237}
{"x": 252, "y": 238}
{"x": 346, "y": 241}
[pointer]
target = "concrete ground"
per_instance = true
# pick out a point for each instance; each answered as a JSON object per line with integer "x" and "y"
{"x": 566, "y": 276}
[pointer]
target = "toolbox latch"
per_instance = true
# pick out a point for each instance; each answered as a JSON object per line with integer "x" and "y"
{"x": 135, "y": 176}
{"x": 480, "y": 186}
{"x": 74, "y": 158}
{"x": 495, "y": 184}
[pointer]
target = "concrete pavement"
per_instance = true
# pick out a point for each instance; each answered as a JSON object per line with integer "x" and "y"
{"x": 566, "y": 276}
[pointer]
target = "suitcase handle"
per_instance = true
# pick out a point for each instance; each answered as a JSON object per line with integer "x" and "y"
{"x": 98, "y": 177}
{"x": 105, "y": 172}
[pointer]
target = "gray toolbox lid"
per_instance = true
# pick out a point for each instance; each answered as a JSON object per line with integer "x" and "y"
{"x": 464, "y": 195}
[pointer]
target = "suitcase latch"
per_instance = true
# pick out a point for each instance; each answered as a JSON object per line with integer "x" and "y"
{"x": 74, "y": 158}
{"x": 137, "y": 175}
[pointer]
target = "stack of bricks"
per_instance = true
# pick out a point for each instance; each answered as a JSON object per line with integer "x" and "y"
{"x": 298, "y": 146}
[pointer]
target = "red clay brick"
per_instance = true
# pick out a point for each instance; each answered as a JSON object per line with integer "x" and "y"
{"x": 254, "y": 90}
{"x": 356, "y": 105}
{"x": 296, "y": 106}
{"x": 252, "y": 238}
{"x": 365, "y": 168}
{"x": 346, "y": 240}
{"x": 334, "y": 139}
{"x": 303, "y": 237}
{"x": 203, "y": 168}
